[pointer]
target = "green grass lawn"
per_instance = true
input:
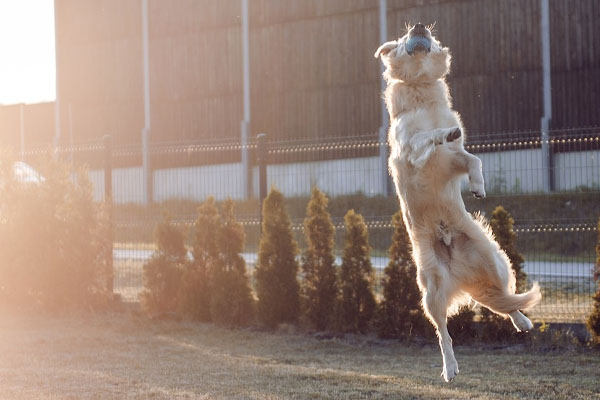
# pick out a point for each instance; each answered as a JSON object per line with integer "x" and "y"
{"x": 127, "y": 356}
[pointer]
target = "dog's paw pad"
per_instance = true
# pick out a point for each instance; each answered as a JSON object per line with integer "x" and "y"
{"x": 455, "y": 134}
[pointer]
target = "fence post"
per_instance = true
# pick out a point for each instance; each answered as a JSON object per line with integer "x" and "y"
{"x": 262, "y": 171}
{"x": 108, "y": 205}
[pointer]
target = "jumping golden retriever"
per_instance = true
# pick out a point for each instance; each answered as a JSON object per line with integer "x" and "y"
{"x": 456, "y": 255}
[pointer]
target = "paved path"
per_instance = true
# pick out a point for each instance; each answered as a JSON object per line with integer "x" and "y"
{"x": 539, "y": 270}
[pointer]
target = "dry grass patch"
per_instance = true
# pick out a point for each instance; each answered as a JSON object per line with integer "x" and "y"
{"x": 123, "y": 356}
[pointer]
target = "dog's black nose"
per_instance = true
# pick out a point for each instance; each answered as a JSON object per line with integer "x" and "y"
{"x": 419, "y": 30}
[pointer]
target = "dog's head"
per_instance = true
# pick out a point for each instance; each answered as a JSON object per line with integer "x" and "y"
{"x": 416, "y": 57}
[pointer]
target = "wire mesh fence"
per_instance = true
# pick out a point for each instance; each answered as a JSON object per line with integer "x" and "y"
{"x": 556, "y": 226}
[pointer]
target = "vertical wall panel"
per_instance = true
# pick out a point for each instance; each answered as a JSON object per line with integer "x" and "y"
{"x": 100, "y": 69}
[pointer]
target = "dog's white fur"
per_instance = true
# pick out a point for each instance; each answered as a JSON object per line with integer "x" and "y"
{"x": 456, "y": 255}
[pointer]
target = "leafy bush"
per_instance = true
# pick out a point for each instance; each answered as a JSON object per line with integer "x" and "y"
{"x": 593, "y": 322}
{"x": 163, "y": 272}
{"x": 54, "y": 241}
{"x": 357, "y": 305}
{"x": 319, "y": 272}
{"x": 276, "y": 272}
{"x": 556, "y": 337}
{"x": 400, "y": 314}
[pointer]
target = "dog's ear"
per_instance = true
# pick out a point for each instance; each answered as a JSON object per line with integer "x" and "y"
{"x": 386, "y": 48}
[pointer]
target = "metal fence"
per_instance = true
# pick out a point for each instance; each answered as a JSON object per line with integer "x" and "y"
{"x": 556, "y": 230}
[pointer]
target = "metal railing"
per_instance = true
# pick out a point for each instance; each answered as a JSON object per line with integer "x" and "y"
{"x": 556, "y": 231}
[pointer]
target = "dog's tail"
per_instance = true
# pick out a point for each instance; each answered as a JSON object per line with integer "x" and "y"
{"x": 506, "y": 303}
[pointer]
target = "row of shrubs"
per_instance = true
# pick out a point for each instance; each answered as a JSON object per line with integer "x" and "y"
{"x": 56, "y": 256}
{"x": 211, "y": 283}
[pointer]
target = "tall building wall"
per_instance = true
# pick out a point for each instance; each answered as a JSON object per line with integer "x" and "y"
{"x": 313, "y": 74}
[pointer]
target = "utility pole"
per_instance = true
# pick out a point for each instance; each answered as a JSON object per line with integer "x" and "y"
{"x": 546, "y": 121}
{"x": 57, "y": 88}
{"x": 245, "y": 124}
{"x": 147, "y": 173}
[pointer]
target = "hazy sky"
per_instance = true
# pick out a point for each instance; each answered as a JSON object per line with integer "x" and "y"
{"x": 27, "y": 62}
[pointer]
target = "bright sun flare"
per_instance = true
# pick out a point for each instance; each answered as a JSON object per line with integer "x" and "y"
{"x": 27, "y": 59}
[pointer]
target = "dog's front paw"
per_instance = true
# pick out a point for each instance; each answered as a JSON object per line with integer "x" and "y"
{"x": 479, "y": 195}
{"x": 447, "y": 135}
{"x": 453, "y": 135}
{"x": 478, "y": 190}
{"x": 450, "y": 371}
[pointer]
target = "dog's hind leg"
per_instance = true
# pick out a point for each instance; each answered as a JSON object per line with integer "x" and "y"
{"x": 435, "y": 302}
{"x": 500, "y": 296}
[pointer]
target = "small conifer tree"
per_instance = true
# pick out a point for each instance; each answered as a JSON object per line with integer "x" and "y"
{"x": 356, "y": 277}
{"x": 400, "y": 313}
{"x": 593, "y": 322}
{"x": 496, "y": 327}
{"x": 502, "y": 224}
{"x": 319, "y": 271}
{"x": 162, "y": 273}
{"x": 195, "y": 288}
{"x": 231, "y": 298}
{"x": 276, "y": 272}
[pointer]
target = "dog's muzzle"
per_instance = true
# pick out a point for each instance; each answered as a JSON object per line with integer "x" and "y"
{"x": 418, "y": 43}
{"x": 418, "y": 40}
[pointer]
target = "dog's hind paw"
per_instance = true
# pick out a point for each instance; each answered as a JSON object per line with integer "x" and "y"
{"x": 450, "y": 371}
{"x": 521, "y": 322}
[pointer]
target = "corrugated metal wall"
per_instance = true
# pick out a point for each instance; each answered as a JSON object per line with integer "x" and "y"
{"x": 575, "y": 46}
{"x": 195, "y": 68}
{"x": 312, "y": 66}
{"x": 100, "y": 71}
